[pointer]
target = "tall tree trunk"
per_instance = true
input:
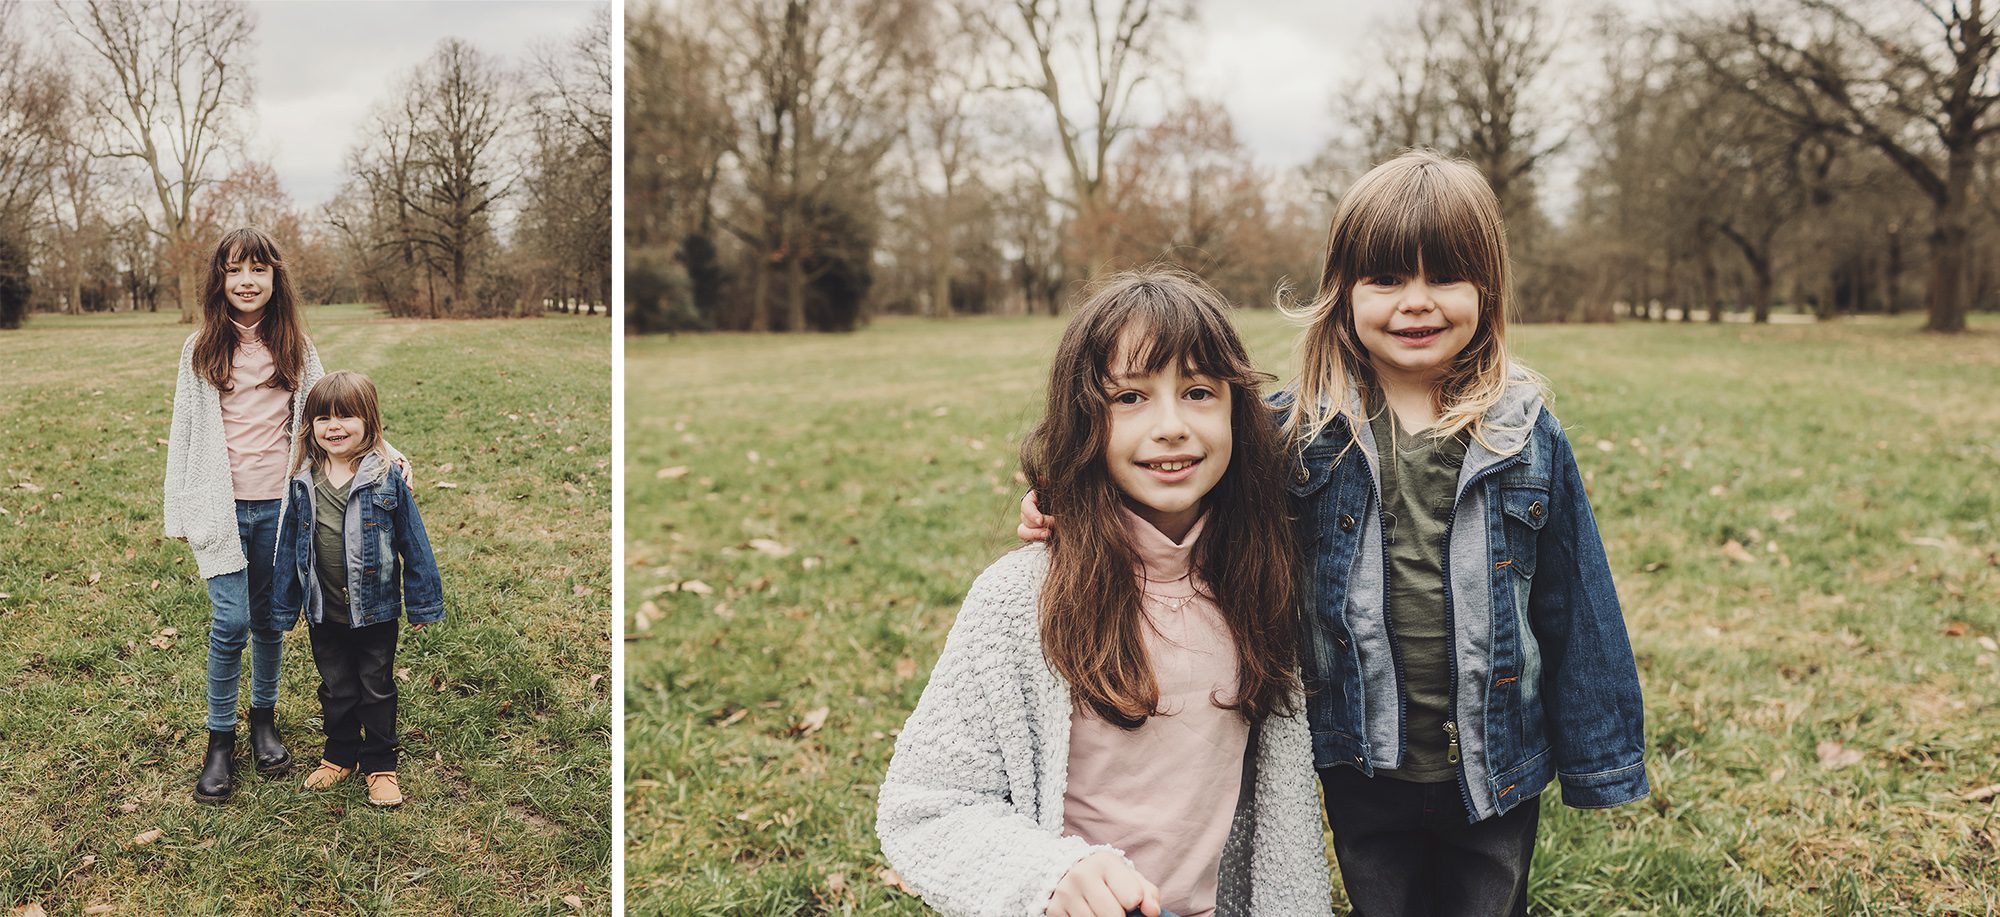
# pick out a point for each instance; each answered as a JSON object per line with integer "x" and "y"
{"x": 1892, "y": 274}
{"x": 1951, "y": 238}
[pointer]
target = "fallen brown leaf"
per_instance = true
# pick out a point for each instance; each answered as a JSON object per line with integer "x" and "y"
{"x": 669, "y": 474}
{"x": 1735, "y": 551}
{"x": 1982, "y": 794}
{"x": 889, "y": 876}
{"x": 767, "y": 546}
{"x": 146, "y": 837}
{"x": 31, "y": 909}
{"x": 1835, "y": 755}
{"x": 1955, "y": 629}
{"x": 697, "y": 587}
{"x": 573, "y": 901}
{"x": 813, "y": 721}
{"x": 906, "y": 668}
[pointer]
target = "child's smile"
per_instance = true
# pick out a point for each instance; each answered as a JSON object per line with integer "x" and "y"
{"x": 1413, "y": 327}
{"x": 1168, "y": 444}
{"x": 249, "y": 286}
{"x": 340, "y": 437}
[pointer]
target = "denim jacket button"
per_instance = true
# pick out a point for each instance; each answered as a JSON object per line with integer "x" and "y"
{"x": 1303, "y": 475}
{"x": 1346, "y": 522}
{"x": 1535, "y": 509}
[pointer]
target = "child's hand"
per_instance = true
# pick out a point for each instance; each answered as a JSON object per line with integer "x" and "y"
{"x": 418, "y": 627}
{"x": 1102, "y": 885}
{"x": 402, "y": 466}
{"x": 1034, "y": 526}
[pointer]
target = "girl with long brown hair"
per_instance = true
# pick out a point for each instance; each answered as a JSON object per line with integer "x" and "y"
{"x": 1113, "y": 724}
{"x": 243, "y": 378}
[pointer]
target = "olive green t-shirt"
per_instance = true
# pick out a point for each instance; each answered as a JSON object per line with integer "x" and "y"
{"x": 1419, "y": 483}
{"x": 330, "y": 545}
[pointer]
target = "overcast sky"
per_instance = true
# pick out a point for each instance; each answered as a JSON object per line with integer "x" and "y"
{"x": 322, "y": 64}
{"x": 1277, "y": 65}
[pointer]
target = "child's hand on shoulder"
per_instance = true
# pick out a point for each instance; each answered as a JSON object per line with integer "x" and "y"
{"x": 1103, "y": 885}
{"x": 1035, "y": 525}
{"x": 402, "y": 466}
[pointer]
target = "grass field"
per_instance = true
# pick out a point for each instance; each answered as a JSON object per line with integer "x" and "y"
{"x": 505, "y": 705}
{"x": 1801, "y": 520}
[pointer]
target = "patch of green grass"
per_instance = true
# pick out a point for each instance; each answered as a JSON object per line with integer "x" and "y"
{"x": 505, "y": 708}
{"x": 1856, "y": 466}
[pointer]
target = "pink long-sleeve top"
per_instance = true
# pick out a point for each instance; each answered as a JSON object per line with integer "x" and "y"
{"x": 254, "y": 417}
{"x": 1164, "y": 793}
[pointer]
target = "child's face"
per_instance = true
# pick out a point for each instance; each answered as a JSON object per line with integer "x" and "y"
{"x": 1169, "y": 442}
{"x": 340, "y": 436}
{"x": 248, "y": 284}
{"x": 1413, "y": 327}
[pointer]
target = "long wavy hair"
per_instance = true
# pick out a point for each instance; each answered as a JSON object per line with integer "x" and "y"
{"x": 1091, "y": 618}
{"x": 341, "y": 393}
{"x": 282, "y": 328}
{"x": 1416, "y": 208}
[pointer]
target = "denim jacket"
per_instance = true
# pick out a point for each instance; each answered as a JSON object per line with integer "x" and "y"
{"x": 390, "y": 569}
{"x": 1543, "y": 682}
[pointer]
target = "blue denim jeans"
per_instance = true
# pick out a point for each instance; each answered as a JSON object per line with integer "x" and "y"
{"x": 240, "y": 614}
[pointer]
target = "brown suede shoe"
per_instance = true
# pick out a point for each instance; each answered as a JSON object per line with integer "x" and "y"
{"x": 326, "y": 775}
{"x": 383, "y": 790}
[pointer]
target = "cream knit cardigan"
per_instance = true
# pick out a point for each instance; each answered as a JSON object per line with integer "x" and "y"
{"x": 971, "y": 812}
{"x": 201, "y": 501}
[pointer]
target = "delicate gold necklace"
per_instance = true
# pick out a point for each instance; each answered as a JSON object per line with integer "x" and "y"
{"x": 1176, "y": 604}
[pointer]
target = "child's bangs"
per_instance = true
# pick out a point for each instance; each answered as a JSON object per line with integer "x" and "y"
{"x": 341, "y": 395}
{"x": 249, "y": 246}
{"x": 1163, "y": 331}
{"x": 1392, "y": 232}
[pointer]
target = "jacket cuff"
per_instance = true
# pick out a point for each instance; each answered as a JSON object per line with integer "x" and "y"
{"x": 1604, "y": 789}
{"x": 425, "y": 614}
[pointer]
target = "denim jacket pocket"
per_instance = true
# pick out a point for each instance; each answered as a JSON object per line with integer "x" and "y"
{"x": 1526, "y": 507}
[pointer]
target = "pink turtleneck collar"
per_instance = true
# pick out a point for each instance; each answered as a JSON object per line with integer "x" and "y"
{"x": 1164, "y": 562}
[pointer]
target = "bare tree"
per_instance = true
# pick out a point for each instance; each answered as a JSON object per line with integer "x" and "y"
{"x": 1861, "y": 76}
{"x": 819, "y": 84}
{"x": 463, "y": 111}
{"x": 428, "y": 180}
{"x": 175, "y": 75}
{"x": 566, "y": 218}
{"x": 1088, "y": 62}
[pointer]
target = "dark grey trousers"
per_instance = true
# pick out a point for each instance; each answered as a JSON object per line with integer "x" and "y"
{"x": 1406, "y": 850}
{"x": 357, "y": 693}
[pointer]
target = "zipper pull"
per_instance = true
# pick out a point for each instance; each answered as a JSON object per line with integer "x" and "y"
{"x": 1451, "y": 750}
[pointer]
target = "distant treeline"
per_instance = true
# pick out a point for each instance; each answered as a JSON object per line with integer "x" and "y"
{"x": 802, "y": 164}
{"x": 477, "y": 187}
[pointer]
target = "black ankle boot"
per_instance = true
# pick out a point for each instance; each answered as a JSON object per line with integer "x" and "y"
{"x": 272, "y": 758}
{"x": 218, "y": 767}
